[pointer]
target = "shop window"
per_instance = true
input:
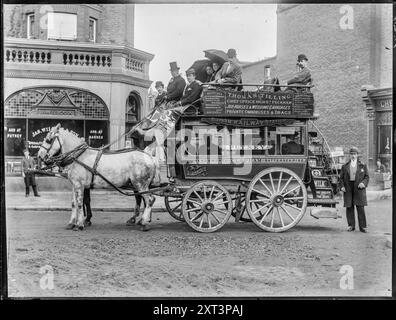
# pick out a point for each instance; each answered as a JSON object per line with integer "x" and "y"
{"x": 384, "y": 139}
{"x": 62, "y": 26}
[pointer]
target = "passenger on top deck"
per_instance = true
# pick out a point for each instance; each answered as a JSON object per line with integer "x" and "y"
{"x": 176, "y": 84}
{"x": 216, "y": 74}
{"x": 209, "y": 73}
{"x": 303, "y": 76}
{"x": 230, "y": 72}
{"x": 161, "y": 97}
{"x": 193, "y": 90}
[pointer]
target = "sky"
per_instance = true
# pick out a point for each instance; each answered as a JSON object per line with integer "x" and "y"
{"x": 180, "y": 32}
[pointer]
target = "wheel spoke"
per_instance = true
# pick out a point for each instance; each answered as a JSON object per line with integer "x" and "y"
{"x": 198, "y": 196}
{"x": 209, "y": 223}
{"x": 287, "y": 183}
{"x": 204, "y": 192}
{"x": 217, "y": 219}
{"x": 262, "y": 182}
{"x": 260, "y": 193}
{"x": 195, "y": 202}
{"x": 289, "y": 205}
{"x": 217, "y": 210}
{"x": 280, "y": 180}
{"x": 280, "y": 216}
{"x": 291, "y": 217}
{"x": 259, "y": 209}
{"x": 211, "y": 192}
{"x": 272, "y": 182}
{"x": 201, "y": 223}
{"x": 218, "y": 196}
{"x": 258, "y": 200}
{"x": 291, "y": 190}
{"x": 193, "y": 209}
{"x": 174, "y": 209}
{"x": 266, "y": 214}
{"x": 272, "y": 218}
{"x": 196, "y": 216}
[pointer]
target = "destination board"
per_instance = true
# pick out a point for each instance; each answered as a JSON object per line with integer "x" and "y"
{"x": 231, "y": 103}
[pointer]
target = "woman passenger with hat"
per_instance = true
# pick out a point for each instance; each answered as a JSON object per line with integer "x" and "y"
{"x": 354, "y": 179}
{"x": 161, "y": 97}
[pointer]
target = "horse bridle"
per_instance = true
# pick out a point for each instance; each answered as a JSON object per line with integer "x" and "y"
{"x": 51, "y": 143}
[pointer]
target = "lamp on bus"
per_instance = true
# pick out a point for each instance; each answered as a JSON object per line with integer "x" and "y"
{"x": 267, "y": 72}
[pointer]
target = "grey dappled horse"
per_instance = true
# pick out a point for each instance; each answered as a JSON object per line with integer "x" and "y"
{"x": 134, "y": 166}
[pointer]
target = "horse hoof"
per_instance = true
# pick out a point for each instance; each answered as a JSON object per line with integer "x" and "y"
{"x": 139, "y": 223}
{"x": 145, "y": 228}
{"x": 81, "y": 228}
{"x": 70, "y": 226}
{"x": 131, "y": 222}
{"x": 87, "y": 223}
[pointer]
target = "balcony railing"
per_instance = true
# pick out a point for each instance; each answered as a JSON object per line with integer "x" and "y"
{"x": 96, "y": 57}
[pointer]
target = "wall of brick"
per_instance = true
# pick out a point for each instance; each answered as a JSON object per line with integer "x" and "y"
{"x": 115, "y": 23}
{"x": 341, "y": 61}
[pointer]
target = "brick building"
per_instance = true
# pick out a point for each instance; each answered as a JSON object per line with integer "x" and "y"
{"x": 75, "y": 64}
{"x": 349, "y": 48}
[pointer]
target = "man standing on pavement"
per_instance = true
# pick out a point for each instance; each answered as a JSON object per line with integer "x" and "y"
{"x": 176, "y": 84}
{"x": 28, "y": 176}
{"x": 354, "y": 179}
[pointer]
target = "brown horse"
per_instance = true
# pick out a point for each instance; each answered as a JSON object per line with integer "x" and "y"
{"x": 120, "y": 168}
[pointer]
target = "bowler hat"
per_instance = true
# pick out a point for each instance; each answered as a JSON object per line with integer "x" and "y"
{"x": 159, "y": 84}
{"x": 231, "y": 53}
{"x": 353, "y": 150}
{"x": 173, "y": 66}
{"x": 190, "y": 71}
{"x": 302, "y": 57}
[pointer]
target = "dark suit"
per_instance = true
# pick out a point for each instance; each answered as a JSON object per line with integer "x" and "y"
{"x": 292, "y": 147}
{"x": 175, "y": 88}
{"x": 159, "y": 99}
{"x": 353, "y": 196}
{"x": 29, "y": 179}
{"x": 192, "y": 93}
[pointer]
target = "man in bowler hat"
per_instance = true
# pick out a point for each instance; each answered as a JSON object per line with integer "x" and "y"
{"x": 28, "y": 176}
{"x": 303, "y": 76}
{"x": 176, "y": 84}
{"x": 193, "y": 90}
{"x": 354, "y": 179}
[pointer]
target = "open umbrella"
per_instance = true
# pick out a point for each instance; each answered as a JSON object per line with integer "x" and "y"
{"x": 216, "y": 55}
{"x": 200, "y": 69}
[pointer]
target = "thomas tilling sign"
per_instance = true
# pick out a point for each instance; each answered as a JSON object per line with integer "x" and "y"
{"x": 257, "y": 104}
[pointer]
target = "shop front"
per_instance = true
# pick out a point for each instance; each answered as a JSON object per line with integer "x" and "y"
{"x": 379, "y": 106}
{"x": 32, "y": 112}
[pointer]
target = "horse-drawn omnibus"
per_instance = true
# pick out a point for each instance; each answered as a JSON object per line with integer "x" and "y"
{"x": 242, "y": 153}
{"x": 239, "y": 162}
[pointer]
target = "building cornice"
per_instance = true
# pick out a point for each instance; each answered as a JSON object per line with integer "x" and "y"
{"x": 77, "y": 76}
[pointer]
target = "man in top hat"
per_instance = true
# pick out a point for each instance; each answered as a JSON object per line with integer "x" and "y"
{"x": 354, "y": 179}
{"x": 161, "y": 97}
{"x": 176, "y": 84}
{"x": 193, "y": 90}
{"x": 28, "y": 176}
{"x": 230, "y": 72}
{"x": 303, "y": 76}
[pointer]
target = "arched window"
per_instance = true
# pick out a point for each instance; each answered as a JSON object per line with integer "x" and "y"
{"x": 132, "y": 116}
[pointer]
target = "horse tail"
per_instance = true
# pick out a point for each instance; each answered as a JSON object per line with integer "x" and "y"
{"x": 152, "y": 151}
